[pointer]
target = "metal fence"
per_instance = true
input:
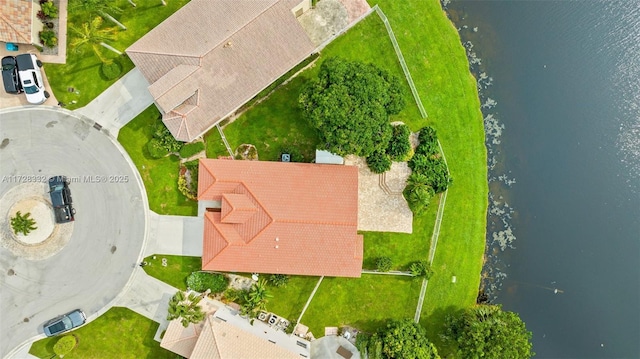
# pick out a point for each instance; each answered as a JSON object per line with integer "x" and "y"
{"x": 396, "y": 47}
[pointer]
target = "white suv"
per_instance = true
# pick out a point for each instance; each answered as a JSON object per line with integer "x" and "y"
{"x": 31, "y": 78}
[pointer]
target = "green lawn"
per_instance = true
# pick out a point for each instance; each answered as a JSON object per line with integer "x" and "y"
{"x": 365, "y": 303}
{"x": 82, "y": 69}
{"x": 277, "y": 122}
{"x": 177, "y": 270}
{"x": 402, "y": 248}
{"x": 271, "y": 126}
{"x": 288, "y": 301}
{"x": 433, "y": 53}
{"x": 118, "y": 333}
{"x": 160, "y": 176}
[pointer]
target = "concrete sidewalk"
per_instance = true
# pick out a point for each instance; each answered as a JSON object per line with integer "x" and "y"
{"x": 147, "y": 296}
{"x": 120, "y": 103}
{"x": 177, "y": 235}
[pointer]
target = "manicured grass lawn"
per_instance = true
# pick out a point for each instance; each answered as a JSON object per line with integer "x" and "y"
{"x": 177, "y": 270}
{"x": 288, "y": 301}
{"x": 160, "y": 176}
{"x": 271, "y": 126}
{"x": 82, "y": 69}
{"x": 402, "y": 248}
{"x": 277, "y": 122}
{"x": 437, "y": 61}
{"x": 118, "y": 333}
{"x": 365, "y": 303}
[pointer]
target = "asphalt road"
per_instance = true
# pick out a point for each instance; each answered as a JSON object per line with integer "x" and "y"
{"x": 109, "y": 230}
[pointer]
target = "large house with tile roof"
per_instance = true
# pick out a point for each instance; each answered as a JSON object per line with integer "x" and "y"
{"x": 224, "y": 334}
{"x": 212, "y": 56}
{"x": 275, "y": 217}
{"x": 16, "y": 19}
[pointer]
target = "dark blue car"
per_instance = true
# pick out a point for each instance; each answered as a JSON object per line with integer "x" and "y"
{"x": 61, "y": 199}
{"x": 64, "y": 323}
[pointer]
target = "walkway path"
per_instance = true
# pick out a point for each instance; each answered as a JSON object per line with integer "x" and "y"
{"x": 120, "y": 103}
{"x": 393, "y": 272}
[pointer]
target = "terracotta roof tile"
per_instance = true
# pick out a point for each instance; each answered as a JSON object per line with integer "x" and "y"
{"x": 305, "y": 218}
{"x": 246, "y": 46}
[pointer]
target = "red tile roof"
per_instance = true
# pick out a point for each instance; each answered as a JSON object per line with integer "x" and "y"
{"x": 212, "y": 56}
{"x": 288, "y": 218}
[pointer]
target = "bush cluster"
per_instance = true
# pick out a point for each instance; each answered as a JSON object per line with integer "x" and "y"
{"x": 279, "y": 280}
{"x": 429, "y": 172}
{"x": 111, "y": 70}
{"x": 379, "y": 162}
{"x": 65, "y": 345}
{"x": 399, "y": 148}
{"x": 421, "y": 269}
{"x": 384, "y": 264}
{"x": 48, "y": 38}
{"x": 201, "y": 281}
{"x": 162, "y": 142}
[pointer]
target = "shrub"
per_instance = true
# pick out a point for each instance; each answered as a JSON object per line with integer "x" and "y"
{"x": 421, "y": 269}
{"x": 156, "y": 149}
{"x": 428, "y": 142}
{"x": 290, "y": 328}
{"x": 187, "y": 190}
{"x": 191, "y": 149}
{"x": 65, "y": 345}
{"x": 48, "y": 38}
{"x": 433, "y": 168}
{"x": 49, "y": 9}
{"x": 384, "y": 264}
{"x": 111, "y": 70}
{"x": 167, "y": 140}
{"x": 201, "y": 281}
{"x": 279, "y": 280}
{"x": 379, "y": 162}
{"x": 399, "y": 147}
{"x": 41, "y": 16}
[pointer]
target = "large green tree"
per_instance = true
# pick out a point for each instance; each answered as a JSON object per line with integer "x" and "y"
{"x": 349, "y": 104}
{"x": 486, "y": 331}
{"x": 399, "y": 339}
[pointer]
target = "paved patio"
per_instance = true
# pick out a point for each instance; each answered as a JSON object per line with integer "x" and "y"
{"x": 381, "y": 206}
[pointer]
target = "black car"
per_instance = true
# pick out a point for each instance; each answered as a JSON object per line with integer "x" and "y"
{"x": 10, "y": 77}
{"x": 61, "y": 199}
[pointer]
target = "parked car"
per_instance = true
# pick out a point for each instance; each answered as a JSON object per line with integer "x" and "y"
{"x": 10, "y": 77}
{"x": 61, "y": 199}
{"x": 31, "y": 78}
{"x": 64, "y": 323}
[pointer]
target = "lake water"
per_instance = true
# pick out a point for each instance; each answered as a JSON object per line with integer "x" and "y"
{"x": 565, "y": 184}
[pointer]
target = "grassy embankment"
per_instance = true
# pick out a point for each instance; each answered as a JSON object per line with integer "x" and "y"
{"x": 118, "y": 333}
{"x": 82, "y": 69}
{"x": 432, "y": 50}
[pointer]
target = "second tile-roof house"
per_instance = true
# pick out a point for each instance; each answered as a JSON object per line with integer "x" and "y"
{"x": 16, "y": 18}
{"x": 275, "y": 217}
{"x": 212, "y": 56}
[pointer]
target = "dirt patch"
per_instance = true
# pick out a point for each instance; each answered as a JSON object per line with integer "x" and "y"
{"x": 246, "y": 152}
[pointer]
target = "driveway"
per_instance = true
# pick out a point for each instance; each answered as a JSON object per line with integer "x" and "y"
{"x": 10, "y": 100}
{"x": 106, "y": 239}
{"x": 120, "y": 103}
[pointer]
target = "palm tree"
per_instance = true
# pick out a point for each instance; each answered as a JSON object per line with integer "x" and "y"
{"x": 100, "y": 7}
{"x": 185, "y": 308}
{"x": 23, "y": 223}
{"x": 418, "y": 193}
{"x": 92, "y": 33}
{"x": 256, "y": 298}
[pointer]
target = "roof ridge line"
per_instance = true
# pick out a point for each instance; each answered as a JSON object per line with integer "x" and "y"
{"x": 272, "y": 219}
{"x": 18, "y": 33}
{"x": 242, "y": 27}
{"x": 345, "y": 224}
